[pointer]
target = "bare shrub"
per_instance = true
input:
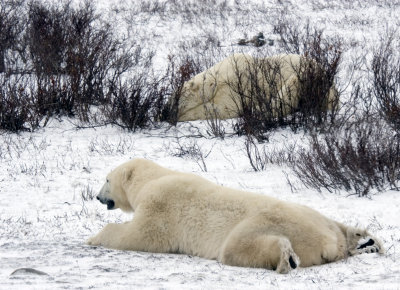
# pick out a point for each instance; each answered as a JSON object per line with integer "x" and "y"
{"x": 47, "y": 36}
{"x": 77, "y": 62}
{"x": 136, "y": 103}
{"x": 188, "y": 11}
{"x": 130, "y": 104}
{"x": 318, "y": 99}
{"x": 95, "y": 60}
{"x": 178, "y": 72}
{"x": 360, "y": 154}
{"x": 291, "y": 36}
{"x": 268, "y": 99}
{"x": 52, "y": 97}
{"x": 361, "y": 157}
{"x": 318, "y": 102}
{"x": 75, "y": 56}
{"x": 191, "y": 150}
{"x": 215, "y": 126}
{"x": 12, "y": 25}
{"x": 260, "y": 103}
{"x": 14, "y": 109}
{"x": 123, "y": 145}
{"x": 17, "y": 111}
{"x": 257, "y": 160}
{"x": 386, "y": 79}
{"x": 87, "y": 193}
{"x": 260, "y": 158}
{"x": 183, "y": 68}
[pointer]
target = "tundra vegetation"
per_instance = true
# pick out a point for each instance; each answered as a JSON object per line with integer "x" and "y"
{"x": 58, "y": 59}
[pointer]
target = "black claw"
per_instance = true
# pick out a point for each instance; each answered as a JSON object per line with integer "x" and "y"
{"x": 369, "y": 243}
{"x": 292, "y": 263}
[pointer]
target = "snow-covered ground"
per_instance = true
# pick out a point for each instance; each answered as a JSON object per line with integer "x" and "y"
{"x": 47, "y": 178}
{"x": 45, "y": 220}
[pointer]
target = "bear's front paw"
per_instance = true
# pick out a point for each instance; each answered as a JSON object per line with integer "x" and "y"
{"x": 93, "y": 241}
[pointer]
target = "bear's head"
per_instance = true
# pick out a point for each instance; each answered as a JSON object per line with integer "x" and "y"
{"x": 124, "y": 183}
{"x": 114, "y": 191}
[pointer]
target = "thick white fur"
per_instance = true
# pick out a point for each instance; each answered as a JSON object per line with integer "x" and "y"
{"x": 212, "y": 93}
{"x": 183, "y": 213}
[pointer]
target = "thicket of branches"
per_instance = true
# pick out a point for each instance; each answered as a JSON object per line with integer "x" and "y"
{"x": 359, "y": 159}
{"x": 60, "y": 60}
{"x": 57, "y": 60}
{"x": 386, "y": 79}
{"x": 267, "y": 99}
{"x": 360, "y": 151}
{"x": 72, "y": 60}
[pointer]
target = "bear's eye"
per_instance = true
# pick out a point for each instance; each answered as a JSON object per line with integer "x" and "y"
{"x": 358, "y": 235}
{"x": 108, "y": 180}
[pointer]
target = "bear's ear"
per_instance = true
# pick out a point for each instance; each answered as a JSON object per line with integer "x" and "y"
{"x": 127, "y": 174}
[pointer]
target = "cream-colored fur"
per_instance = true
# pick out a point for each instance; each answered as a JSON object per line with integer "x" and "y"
{"x": 183, "y": 213}
{"x": 214, "y": 93}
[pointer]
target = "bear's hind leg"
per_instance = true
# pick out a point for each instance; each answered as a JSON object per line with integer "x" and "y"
{"x": 288, "y": 259}
{"x": 260, "y": 251}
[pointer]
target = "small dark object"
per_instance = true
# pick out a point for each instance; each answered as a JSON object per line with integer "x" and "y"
{"x": 242, "y": 41}
{"x": 257, "y": 40}
{"x": 25, "y": 271}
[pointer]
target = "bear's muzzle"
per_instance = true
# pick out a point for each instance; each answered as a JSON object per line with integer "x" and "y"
{"x": 109, "y": 202}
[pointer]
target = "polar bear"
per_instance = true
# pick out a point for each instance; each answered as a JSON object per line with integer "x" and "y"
{"x": 216, "y": 91}
{"x": 183, "y": 213}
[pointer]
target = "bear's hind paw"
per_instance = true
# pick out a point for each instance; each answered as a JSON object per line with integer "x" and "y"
{"x": 288, "y": 260}
{"x": 368, "y": 245}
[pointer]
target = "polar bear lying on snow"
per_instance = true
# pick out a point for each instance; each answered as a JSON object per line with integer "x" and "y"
{"x": 183, "y": 213}
{"x": 216, "y": 91}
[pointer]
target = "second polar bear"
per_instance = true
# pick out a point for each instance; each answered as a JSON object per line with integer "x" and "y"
{"x": 183, "y": 213}
{"x": 216, "y": 91}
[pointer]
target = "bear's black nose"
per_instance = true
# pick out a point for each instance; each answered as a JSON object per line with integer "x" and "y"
{"x": 98, "y": 198}
{"x": 110, "y": 204}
